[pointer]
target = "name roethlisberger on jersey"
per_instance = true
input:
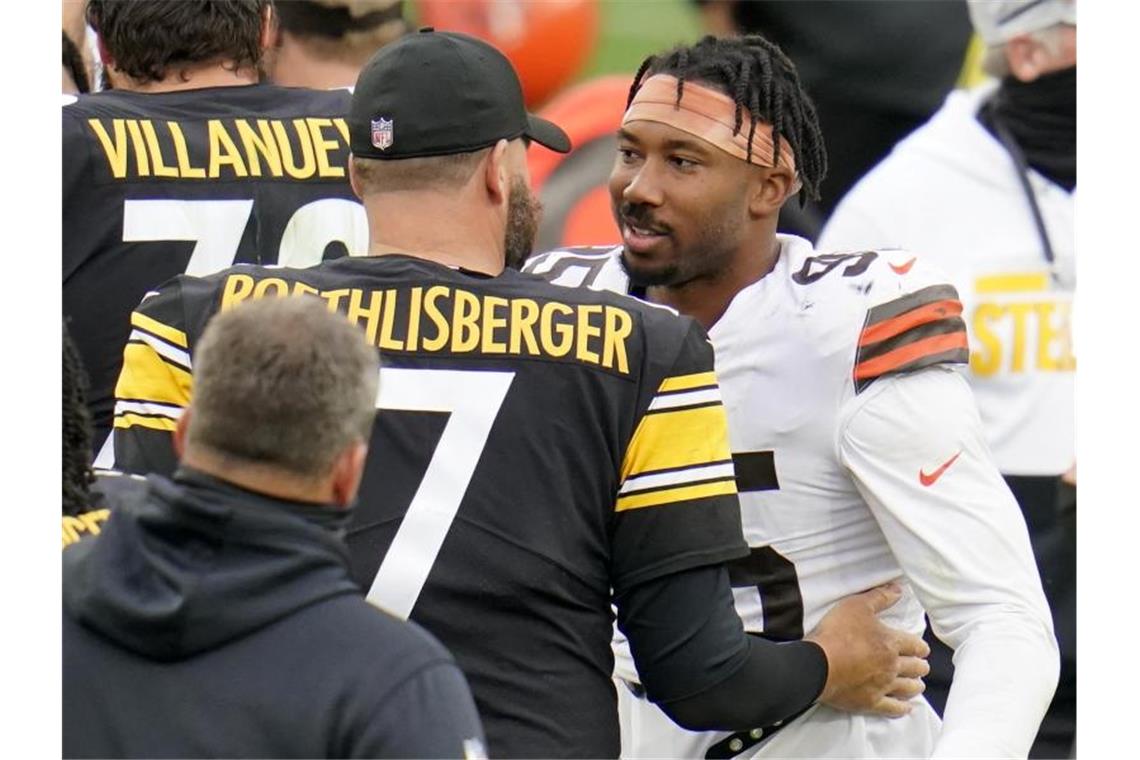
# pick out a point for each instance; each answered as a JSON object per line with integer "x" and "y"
{"x": 451, "y": 320}
{"x": 297, "y": 148}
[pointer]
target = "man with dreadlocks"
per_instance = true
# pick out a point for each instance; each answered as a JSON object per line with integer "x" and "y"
{"x": 87, "y": 495}
{"x": 857, "y": 448}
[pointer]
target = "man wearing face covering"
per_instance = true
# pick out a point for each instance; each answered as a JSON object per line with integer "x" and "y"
{"x": 986, "y": 189}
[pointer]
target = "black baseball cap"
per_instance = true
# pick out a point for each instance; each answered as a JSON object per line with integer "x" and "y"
{"x": 439, "y": 93}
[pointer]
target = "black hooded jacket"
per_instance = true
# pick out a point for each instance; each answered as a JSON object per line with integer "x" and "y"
{"x": 209, "y": 621}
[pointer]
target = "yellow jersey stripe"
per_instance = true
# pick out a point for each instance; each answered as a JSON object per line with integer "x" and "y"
{"x": 677, "y": 438}
{"x": 146, "y": 377}
{"x": 685, "y": 382}
{"x": 143, "y": 322}
{"x": 1027, "y": 282}
{"x": 123, "y": 421}
{"x": 672, "y": 495}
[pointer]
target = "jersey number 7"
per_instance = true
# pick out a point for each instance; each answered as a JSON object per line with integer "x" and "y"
{"x": 473, "y": 400}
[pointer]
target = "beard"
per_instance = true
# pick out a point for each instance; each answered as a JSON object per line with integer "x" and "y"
{"x": 524, "y": 211}
{"x": 704, "y": 257}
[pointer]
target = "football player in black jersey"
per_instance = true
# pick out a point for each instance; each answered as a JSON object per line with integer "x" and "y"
{"x": 543, "y": 451}
{"x": 190, "y": 165}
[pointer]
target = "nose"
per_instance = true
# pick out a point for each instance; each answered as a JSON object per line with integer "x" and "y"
{"x": 644, "y": 187}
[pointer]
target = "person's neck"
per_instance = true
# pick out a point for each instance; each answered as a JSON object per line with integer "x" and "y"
{"x": 295, "y": 67}
{"x": 410, "y": 223}
{"x": 262, "y": 479}
{"x": 197, "y": 78}
{"x": 706, "y": 299}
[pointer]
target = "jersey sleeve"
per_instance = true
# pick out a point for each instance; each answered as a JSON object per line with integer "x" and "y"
{"x": 154, "y": 386}
{"x": 677, "y": 505}
{"x": 917, "y": 329}
{"x": 915, "y": 448}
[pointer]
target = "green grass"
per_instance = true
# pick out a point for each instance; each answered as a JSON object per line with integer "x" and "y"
{"x": 632, "y": 29}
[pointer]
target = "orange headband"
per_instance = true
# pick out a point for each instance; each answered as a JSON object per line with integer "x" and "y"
{"x": 707, "y": 114}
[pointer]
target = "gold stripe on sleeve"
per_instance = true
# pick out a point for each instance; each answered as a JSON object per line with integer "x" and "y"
{"x": 685, "y": 382}
{"x": 671, "y": 495}
{"x": 129, "y": 420}
{"x": 143, "y": 322}
{"x": 146, "y": 377}
{"x": 678, "y": 438}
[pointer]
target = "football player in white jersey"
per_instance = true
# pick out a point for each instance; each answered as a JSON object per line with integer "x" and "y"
{"x": 858, "y": 449}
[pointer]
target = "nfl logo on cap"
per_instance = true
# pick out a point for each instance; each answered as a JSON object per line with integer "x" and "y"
{"x": 382, "y": 133}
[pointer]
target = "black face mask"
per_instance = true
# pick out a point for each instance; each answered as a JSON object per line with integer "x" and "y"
{"x": 1041, "y": 117}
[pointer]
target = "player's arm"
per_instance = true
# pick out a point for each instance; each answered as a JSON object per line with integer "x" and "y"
{"x": 154, "y": 386}
{"x": 914, "y": 444}
{"x": 677, "y": 521}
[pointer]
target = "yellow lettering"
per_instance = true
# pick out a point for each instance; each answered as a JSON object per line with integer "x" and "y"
{"x": 280, "y": 288}
{"x": 390, "y": 306}
{"x": 223, "y": 151}
{"x": 334, "y": 297}
{"x": 1020, "y": 312}
{"x": 587, "y": 331}
{"x": 238, "y": 287}
{"x": 116, "y": 152}
{"x": 492, "y": 323}
{"x": 1046, "y": 334}
{"x": 142, "y": 163}
{"x": 442, "y": 331}
{"x": 619, "y": 325}
{"x": 524, "y": 316}
{"x": 180, "y": 152}
{"x": 160, "y": 168}
{"x": 413, "y": 338}
{"x": 308, "y": 166}
{"x": 342, "y": 127}
{"x": 259, "y": 145}
{"x": 985, "y": 354}
{"x": 1067, "y": 362}
{"x": 91, "y": 520}
{"x": 465, "y": 322}
{"x": 71, "y": 527}
{"x": 322, "y": 146}
{"x": 548, "y": 329}
{"x": 371, "y": 312}
{"x": 302, "y": 289}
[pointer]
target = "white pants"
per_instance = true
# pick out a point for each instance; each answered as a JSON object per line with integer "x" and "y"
{"x": 646, "y": 732}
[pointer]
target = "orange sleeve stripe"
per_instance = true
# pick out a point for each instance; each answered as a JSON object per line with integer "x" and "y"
{"x": 888, "y": 328}
{"x": 904, "y": 355}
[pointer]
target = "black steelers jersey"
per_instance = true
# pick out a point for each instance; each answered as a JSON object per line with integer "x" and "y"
{"x": 535, "y": 448}
{"x": 156, "y": 185}
{"x": 109, "y": 490}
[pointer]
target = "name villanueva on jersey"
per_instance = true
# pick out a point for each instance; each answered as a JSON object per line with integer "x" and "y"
{"x": 300, "y": 148}
{"x": 452, "y": 320}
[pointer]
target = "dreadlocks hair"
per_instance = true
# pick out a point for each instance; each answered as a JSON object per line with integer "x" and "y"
{"x": 77, "y": 475}
{"x": 73, "y": 62}
{"x": 757, "y": 75}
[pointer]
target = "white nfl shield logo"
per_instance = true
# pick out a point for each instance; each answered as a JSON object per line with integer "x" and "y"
{"x": 382, "y": 133}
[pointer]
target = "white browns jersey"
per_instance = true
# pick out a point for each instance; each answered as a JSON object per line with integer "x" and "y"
{"x": 859, "y": 459}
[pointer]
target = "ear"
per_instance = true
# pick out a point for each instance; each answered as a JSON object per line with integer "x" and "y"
{"x": 354, "y": 178}
{"x": 347, "y": 471}
{"x": 496, "y": 175}
{"x": 1025, "y": 57}
{"x": 769, "y": 188}
{"x": 180, "y": 430}
{"x": 269, "y": 29}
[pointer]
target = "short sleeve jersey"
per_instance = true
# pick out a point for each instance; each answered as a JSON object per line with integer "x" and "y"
{"x": 155, "y": 185}
{"x": 536, "y": 449}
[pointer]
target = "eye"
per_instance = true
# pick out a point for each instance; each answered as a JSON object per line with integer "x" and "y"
{"x": 682, "y": 163}
{"x": 627, "y": 155}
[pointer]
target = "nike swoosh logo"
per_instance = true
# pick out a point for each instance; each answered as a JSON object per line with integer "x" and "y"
{"x": 928, "y": 480}
{"x": 903, "y": 268}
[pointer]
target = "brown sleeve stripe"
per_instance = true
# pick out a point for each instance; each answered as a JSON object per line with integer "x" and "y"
{"x": 911, "y": 301}
{"x": 913, "y": 335}
{"x": 937, "y": 349}
{"x": 892, "y": 326}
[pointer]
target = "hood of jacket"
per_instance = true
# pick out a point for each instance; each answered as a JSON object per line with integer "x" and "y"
{"x": 195, "y": 562}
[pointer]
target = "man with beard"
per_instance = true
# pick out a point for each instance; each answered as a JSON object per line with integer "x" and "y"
{"x": 858, "y": 450}
{"x": 190, "y": 165}
{"x": 542, "y": 452}
{"x": 987, "y": 189}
